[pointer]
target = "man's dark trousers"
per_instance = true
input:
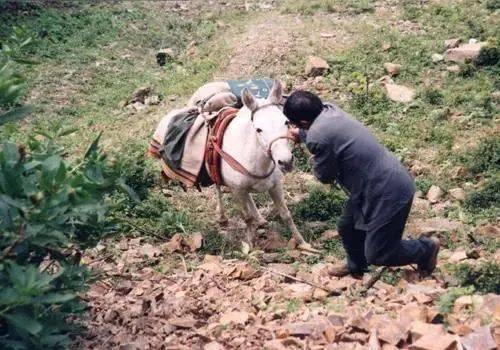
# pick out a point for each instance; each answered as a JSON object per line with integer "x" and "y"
{"x": 382, "y": 246}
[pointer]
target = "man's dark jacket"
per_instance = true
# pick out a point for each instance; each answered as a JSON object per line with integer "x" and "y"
{"x": 346, "y": 152}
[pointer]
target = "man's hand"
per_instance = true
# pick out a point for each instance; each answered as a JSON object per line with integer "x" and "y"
{"x": 293, "y": 133}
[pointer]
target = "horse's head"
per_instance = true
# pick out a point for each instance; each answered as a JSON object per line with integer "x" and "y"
{"x": 271, "y": 125}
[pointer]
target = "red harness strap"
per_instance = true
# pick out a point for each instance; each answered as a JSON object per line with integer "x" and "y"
{"x": 216, "y": 132}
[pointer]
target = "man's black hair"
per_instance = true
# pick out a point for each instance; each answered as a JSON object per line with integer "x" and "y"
{"x": 302, "y": 106}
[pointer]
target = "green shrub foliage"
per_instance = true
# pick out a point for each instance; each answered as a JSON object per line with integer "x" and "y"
{"x": 320, "y": 205}
{"x": 486, "y": 156}
{"x": 50, "y": 209}
{"x": 485, "y": 278}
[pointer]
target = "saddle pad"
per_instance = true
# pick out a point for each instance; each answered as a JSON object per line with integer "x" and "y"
{"x": 259, "y": 87}
{"x": 175, "y": 138}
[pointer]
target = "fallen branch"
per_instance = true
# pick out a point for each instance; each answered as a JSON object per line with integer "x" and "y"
{"x": 373, "y": 279}
{"x": 316, "y": 285}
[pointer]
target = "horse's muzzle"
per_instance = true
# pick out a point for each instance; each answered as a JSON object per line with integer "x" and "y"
{"x": 286, "y": 166}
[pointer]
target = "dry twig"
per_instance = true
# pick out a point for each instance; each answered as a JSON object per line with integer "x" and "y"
{"x": 316, "y": 285}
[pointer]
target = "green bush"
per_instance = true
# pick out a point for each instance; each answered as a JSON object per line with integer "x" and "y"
{"x": 432, "y": 96}
{"x": 155, "y": 216}
{"x": 485, "y": 278}
{"x": 333, "y": 246}
{"x": 486, "y": 197}
{"x": 486, "y": 156}
{"x": 50, "y": 209}
{"x": 493, "y": 4}
{"x": 301, "y": 159}
{"x": 447, "y": 299}
{"x": 488, "y": 56}
{"x": 320, "y": 205}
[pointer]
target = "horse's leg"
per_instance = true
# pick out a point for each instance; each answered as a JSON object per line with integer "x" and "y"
{"x": 221, "y": 212}
{"x": 242, "y": 198}
{"x": 278, "y": 198}
{"x": 255, "y": 212}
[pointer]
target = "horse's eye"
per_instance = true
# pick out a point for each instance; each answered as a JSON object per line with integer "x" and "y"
{"x": 259, "y": 130}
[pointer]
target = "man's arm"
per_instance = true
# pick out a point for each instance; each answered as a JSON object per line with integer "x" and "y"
{"x": 325, "y": 164}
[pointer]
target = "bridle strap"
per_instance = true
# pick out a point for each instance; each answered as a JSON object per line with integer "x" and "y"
{"x": 270, "y": 146}
{"x": 237, "y": 166}
{"x": 262, "y": 107}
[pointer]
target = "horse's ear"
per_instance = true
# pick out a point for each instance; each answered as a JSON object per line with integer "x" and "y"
{"x": 249, "y": 100}
{"x": 276, "y": 94}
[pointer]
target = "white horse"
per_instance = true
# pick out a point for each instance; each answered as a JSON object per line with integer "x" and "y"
{"x": 257, "y": 139}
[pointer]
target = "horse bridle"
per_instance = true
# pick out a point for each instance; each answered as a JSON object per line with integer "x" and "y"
{"x": 268, "y": 149}
{"x": 237, "y": 166}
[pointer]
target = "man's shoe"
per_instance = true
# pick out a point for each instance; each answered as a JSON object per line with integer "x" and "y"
{"x": 342, "y": 271}
{"x": 429, "y": 265}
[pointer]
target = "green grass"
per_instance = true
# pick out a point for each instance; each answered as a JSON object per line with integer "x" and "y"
{"x": 312, "y": 7}
{"x": 320, "y": 205}
{"x": 484, "y": 278}
{"x": 447, "y": 299}
{"x": 92, "y": 57}
{"x": 485, "y": 158}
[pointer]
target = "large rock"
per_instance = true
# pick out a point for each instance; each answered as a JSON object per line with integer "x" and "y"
{"x": 419, "y": 329}
{"x": 316, "y": 66}
{"x": 399, "y": 93}
{"x": 164, "y": 55}
{"x": 457, "y": 194}
{"x": 451, "y": 43}
{"x": 457, "y": 256}
{"x": 392, "y": 68}
{"x": 481, "y": 339}
{"x": 463, "y": 53}
{"x": 435, "y": 342}
{"x": 437, "y": 57}
{"x": 434, "y": 194}
{"x": 140, "y": 94}
{"x": 434, "y": 225}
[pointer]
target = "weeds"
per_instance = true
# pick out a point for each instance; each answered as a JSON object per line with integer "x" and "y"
{"x": 447, "y": 299}
{"x": 333, "y": 246}
{"x": 486, "y": 198}
{"x": 391, "y": 277}
{"x": 485, "y": 157}
{"x": 484, "y": 278}
{"x": 216, "y": 244}
{"x": 320, "y": 205}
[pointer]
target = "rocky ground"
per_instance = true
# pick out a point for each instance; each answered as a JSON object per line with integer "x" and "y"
{"x": 261, "y": 302}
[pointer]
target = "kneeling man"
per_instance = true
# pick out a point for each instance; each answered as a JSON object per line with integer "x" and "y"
{"x": 380, "y": 189}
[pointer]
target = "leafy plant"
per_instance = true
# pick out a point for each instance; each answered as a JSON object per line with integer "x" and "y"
{"x": 447, "y": 299}
{"x": 333, "y": 246}
{"x": 320, "y": 205}
{"x": 50, "y": 209}
{"x": 11, "y": 82}
{"x": 301, "y": 159}
{"x": 484, "y": 278}
{"x": 486, "y": 156}
{"x": 487, "y": 197}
